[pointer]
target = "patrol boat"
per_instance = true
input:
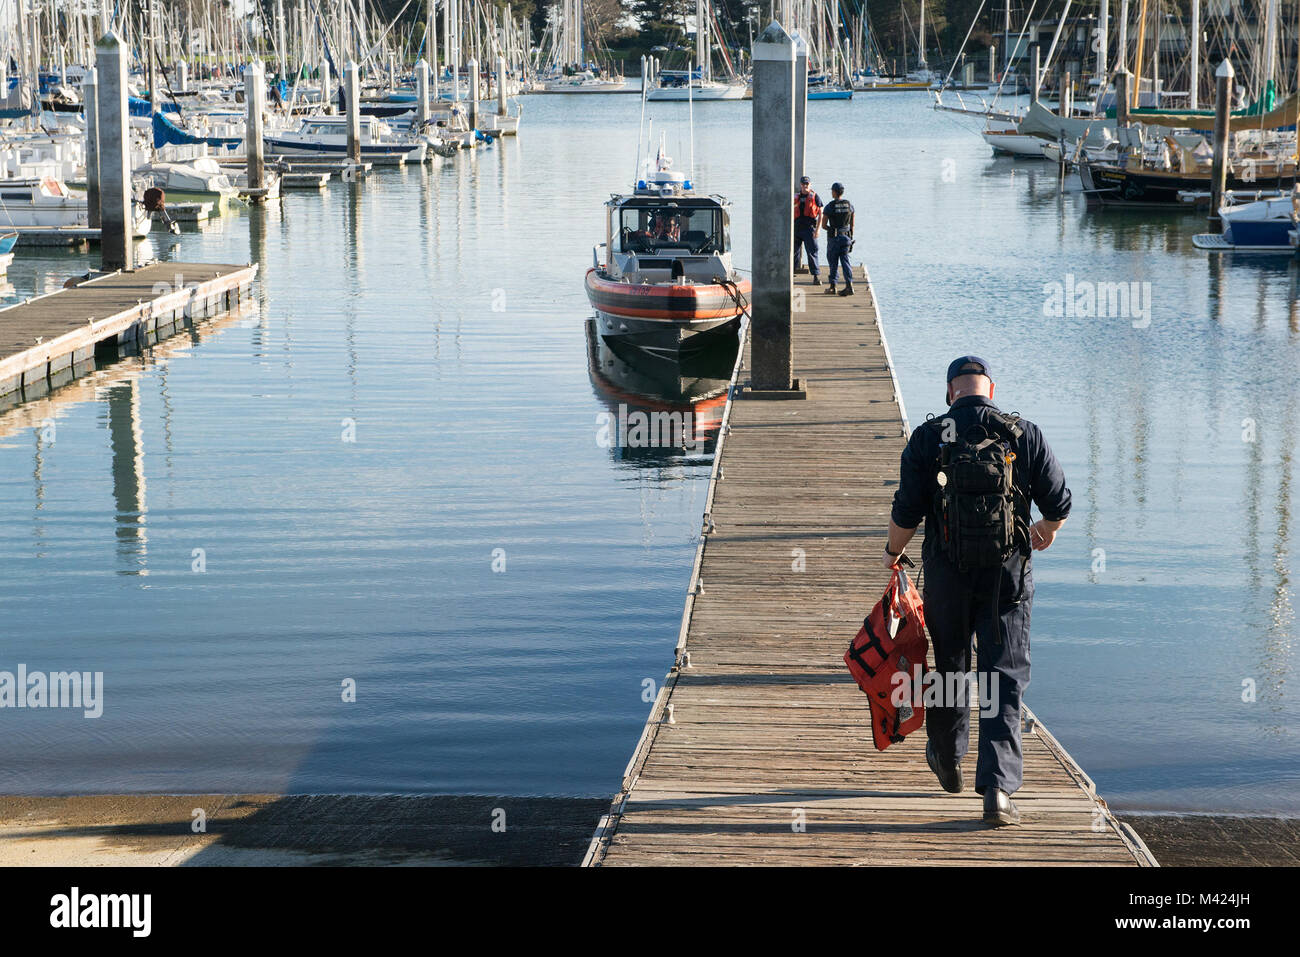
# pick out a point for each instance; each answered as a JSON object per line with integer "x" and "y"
{"x": 665, "y": 281}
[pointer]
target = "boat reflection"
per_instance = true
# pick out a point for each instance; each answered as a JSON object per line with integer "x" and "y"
{"x": 661, "y": 410}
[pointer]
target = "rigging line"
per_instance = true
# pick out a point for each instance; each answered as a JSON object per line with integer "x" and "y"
{"x": 963, "y": 44}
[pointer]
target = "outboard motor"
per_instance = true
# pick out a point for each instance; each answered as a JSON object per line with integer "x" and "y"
{"x": 155, "y": 201}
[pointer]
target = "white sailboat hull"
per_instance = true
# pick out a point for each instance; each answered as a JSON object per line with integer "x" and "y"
{"x": 718, "y": 91}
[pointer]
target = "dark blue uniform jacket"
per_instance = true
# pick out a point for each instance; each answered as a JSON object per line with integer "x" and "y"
{"x": 1036, "y": 472}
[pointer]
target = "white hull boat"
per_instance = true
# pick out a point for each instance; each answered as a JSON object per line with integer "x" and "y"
{"x": 328, "y": 136}
{"x": 48, "y": 203}
{"x": 706, "y": 90}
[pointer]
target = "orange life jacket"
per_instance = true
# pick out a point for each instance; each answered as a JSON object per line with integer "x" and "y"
{"x": 892, "y": 640}
{"x": 805, "y": 204}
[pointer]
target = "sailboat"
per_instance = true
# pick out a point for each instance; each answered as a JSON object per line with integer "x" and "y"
{"x": 571, "y": 72}
{"x": 826, "y": 82}
{"x": 697, "y": 83}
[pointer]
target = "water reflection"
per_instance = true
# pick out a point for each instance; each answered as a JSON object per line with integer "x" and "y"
{"x": 117, "y": 383}
{"x": 660, "y": 409}
{"x": 127, "y": 443}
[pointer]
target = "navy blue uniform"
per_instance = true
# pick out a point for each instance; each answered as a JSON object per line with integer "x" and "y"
{"x": 839, "y": 214}
{"x": 961, "y": 604}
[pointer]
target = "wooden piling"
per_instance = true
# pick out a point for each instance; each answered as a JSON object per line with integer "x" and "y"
{"x": 1223, "y": 77}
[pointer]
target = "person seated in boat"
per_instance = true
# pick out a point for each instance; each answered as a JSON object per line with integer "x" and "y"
{"x": 665, "y": 229}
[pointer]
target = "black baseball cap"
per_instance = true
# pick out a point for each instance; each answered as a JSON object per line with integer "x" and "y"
{"x": 837, "y": 187}
{"x": 968, "y": 365}
{"x": 804, "y": 179}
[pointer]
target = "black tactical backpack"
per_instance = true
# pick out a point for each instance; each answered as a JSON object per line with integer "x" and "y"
{"x": 979, "y": 519}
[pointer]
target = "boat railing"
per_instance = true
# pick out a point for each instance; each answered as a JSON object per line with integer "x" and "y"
{"x": 595, "y": 255}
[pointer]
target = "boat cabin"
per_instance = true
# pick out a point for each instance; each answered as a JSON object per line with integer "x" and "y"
{"x": 329, "y": 129}
{"x": 666, "y": 234}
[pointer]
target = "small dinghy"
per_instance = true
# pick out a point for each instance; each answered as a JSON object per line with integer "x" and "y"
{"x": 1266, "y": 225}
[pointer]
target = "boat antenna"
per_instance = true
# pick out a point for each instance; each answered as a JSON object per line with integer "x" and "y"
{"x": 640, "y": 133}
{"x": 690, "y": 105}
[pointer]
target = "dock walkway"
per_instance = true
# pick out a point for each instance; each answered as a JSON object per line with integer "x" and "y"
{"x": 49, "y": 340}
{"x": 758, "y": 747}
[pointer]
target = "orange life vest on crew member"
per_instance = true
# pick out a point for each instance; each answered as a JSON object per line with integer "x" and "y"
{"x": 892, "y": 640}
{"x": 805, "y": 204}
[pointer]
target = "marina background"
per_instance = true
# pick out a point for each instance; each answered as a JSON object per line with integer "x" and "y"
{"x": 476, "y": 429}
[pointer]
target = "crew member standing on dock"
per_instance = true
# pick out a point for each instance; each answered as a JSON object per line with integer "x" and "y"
{"x": 807, "y": 216}
{"x": 837, "y": 219}
{"x": 971, "y": 475}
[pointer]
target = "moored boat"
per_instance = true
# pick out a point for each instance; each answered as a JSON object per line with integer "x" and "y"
{"x": 328, "y": 136}
{"x": 666, "y": 282}
{"x": 48, "y": 203}
{"x": 1265, "y": 225}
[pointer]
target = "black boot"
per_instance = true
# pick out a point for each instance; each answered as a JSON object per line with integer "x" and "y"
{"x": 949, "y": 778}
{"x": 999, "y": 809}
{"x": 817, "y": 280}
{"x": 830, "y": 291}
{"x": 847, "y": 291}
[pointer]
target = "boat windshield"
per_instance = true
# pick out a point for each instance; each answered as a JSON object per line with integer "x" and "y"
{"x": 650, "y": 229}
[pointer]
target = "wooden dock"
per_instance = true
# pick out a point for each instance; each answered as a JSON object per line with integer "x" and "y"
{"x": 48, "y": 341}
{"x": 758, "y": 747}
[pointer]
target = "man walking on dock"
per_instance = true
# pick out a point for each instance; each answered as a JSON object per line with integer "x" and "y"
{"x": 837, "y": 219}
{"x": 971, "y": 474}
{"x": 807, "y": 218}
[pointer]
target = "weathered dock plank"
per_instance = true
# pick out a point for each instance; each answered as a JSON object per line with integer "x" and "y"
{"x": 758, "y": 750}
{"x": 42, "y": 337}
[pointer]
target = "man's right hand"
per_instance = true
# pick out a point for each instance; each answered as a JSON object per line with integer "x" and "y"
{"x": 1042, "y": 533}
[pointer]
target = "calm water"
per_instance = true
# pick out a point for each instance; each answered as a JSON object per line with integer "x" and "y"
{"x": 436, "y": 317}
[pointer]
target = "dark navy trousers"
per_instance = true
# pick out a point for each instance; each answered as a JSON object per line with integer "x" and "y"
{"x": 960, "y": 606}
{"x": 837, "y": 257}
{"x": 805, "y": 237}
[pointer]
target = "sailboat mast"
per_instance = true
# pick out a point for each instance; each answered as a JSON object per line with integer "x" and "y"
{"x": 1006, "y": 40}
{"x": 922, "y": 36}
{"x": 577, "y": 32}
{"x": 835, "y": 39}
{"x": 1270, "y": 44}
{"x": 1195, "y": 83}
{"x": 1103, "y": 41}
{"x": 1136, "y": 98}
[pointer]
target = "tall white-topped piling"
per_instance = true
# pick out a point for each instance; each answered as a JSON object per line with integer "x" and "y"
{"x": 89, "y": 97}
{"x": 472, "y": 67}
{"x": 352, "y": 93}
{"x": 501, "y": 86}
{"x": 774, "y": 110}
{"x": 254, "y": 108}
{"x": 111, "y": 59}
{"x": 1223, "y": 77}
{"x": 422, "y": 92}
{"x": 182, "y": 76}
{"x": 800, "y": 108}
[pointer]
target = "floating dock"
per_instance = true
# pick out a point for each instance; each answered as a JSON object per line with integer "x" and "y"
{"x": 758, "y": 747}
{"x": 48, "y": 341}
